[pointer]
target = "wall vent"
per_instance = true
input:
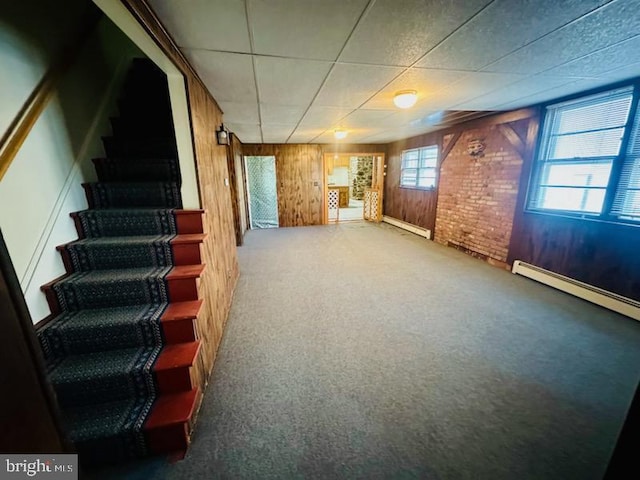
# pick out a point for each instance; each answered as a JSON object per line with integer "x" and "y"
{"x": 617, "y": 303}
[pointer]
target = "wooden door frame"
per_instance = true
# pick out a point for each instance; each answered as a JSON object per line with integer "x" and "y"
{"x": 377, "y": 177}
{"x": 31, "y": 421}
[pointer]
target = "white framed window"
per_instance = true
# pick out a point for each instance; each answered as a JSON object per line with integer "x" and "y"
{"x": 419, "y": 166}
{"x": 588, "y": 162}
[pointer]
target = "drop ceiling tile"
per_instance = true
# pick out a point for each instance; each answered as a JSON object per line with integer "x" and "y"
{"x": 305, "y": 135}
{"x": 351, "y": 85}
{"x": 285, "y": 81}
{"x": 236, "y": 112}
{"x": 623, "y": 73}
{"x": 245, "y": 132}
{"x": 281, "y": 114}
{"x": 613, "y": 23}
{"x": 367, "y": 118}
{"x": 303, "y": 29}
{"x": 502, "y": 28}
{"x": 323, "y": 117}
{"x": 471, "y": 86}
{"x": 207, "y": 24}
{"x": 513, "y": 92}
{"x": 276, "y": 133}
{"x": 554, "y": 94}
{"x": 426, "y": 81}
{"x": 228, "y": 76}
{"x": 610, "y": 58}
{"x": 394, "y": 33}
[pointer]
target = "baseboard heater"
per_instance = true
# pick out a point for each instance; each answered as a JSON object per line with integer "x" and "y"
{"x": 604, "y": 298}
{"x": 423, "y": 232}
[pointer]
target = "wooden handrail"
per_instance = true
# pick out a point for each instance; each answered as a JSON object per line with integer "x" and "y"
{"x": 26, "y": 118}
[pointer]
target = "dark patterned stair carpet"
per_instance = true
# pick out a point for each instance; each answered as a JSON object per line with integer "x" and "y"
{"x": 101, "y": 348}
{"x": 102, "y": 253}
{"x": 107, "y": 376}
{"x": 134, "y": 194}
{"x": 106, "y": 288}
{"x": 109, "y": 432}
{"x": 125, "y": 222}
{"x": 95, "y": 330}
{"x": 147, "y": 169}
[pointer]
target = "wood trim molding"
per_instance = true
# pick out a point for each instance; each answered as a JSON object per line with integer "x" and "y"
{"x": 26, "y": 118}
{"x": 514, "y": 139}
{"x": 447, "y": 150}
{"x": 147, "y": 18}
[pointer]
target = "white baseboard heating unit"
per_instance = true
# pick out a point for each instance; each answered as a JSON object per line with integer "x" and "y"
{"x": 604, "y": 298}
{"x": 423, "y": 232}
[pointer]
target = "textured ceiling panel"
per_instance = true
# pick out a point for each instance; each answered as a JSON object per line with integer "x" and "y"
{"x": 245, "y": 132}
{"x": 399, "y": 33}
{"x": 528, "y": 51}
{"x": 228, "y": 76}
{"x": 427, "y": 82}
{"x": 236, "y": 112}
{"x": 610, "y": 24}
{"x": 283, "y": 81}
{"x": 303, "y": 28}
{"x": 351, "y": 85}
{"x": 509, "y": 93}
{"x": 326, "y": 117}
{"x": 367, "y": 118}
{"x": 497, "y": 31}
{"x": 471, "y": 86}
{"x": 281, "y": 114}
{"x": 305, "y": 135}
{"x": 208, "y": 24}
{"x": 276, "y": 133}
{"x": 553, "y": 94}
{"x": 602, "y": 61}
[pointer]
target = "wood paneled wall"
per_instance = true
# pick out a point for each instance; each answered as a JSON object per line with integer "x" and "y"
{"x": 299, "y": 179}
{"x": 598, "y": 253}
{"x": 414, "y": 206}
{"x": 219, "y": 249}
{"x": 241, "y": 189}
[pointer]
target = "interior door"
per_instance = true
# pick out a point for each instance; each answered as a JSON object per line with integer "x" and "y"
{"x": 262, "y": 191}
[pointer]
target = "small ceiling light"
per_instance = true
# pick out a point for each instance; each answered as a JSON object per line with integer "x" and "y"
{"x": 340, "y": 134}
{"x": 405, "y": 98}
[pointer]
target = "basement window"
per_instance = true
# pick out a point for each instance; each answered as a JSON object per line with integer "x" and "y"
{"x": 419, "y": 167}
{"x": 588, "y": 162}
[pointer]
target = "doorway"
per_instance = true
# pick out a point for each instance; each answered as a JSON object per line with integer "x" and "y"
{"x": 262, "y": 191}
{"x": 349, "y": 179}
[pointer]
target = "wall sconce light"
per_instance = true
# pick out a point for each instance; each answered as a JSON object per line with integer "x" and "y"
{"x": 222, "y": 135}
{"x": 405, "y": 98}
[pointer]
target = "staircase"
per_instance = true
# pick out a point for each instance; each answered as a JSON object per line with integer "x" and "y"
{"x": 121, "y": 346}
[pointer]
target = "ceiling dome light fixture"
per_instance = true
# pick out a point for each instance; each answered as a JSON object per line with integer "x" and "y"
{"x": 339, "y": 133}
{"x": 405, "y": 98}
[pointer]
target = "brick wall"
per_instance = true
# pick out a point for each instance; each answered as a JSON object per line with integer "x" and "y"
{"x": 477, "y": 196}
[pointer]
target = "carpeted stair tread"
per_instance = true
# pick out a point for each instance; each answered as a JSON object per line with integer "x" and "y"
{"x": 126, "y": 222}
{"x": 160, "y": 147}
{"x": 109, "y": 432}
{"x": 94, "y": 330}
{"x": 100, "y": 253}
{"x": 109, "y": 288}
{"x": 104, "y": 376}
{"x": 133, "y": 194}
{"x": 137, "y": 169}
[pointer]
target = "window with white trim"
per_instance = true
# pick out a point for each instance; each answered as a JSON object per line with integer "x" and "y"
{"x": 588, "y": 162}
{"x": 418, "y": 168}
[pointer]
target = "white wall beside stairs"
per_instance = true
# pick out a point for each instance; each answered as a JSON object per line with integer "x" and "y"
{"x": 43, "y": 184}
